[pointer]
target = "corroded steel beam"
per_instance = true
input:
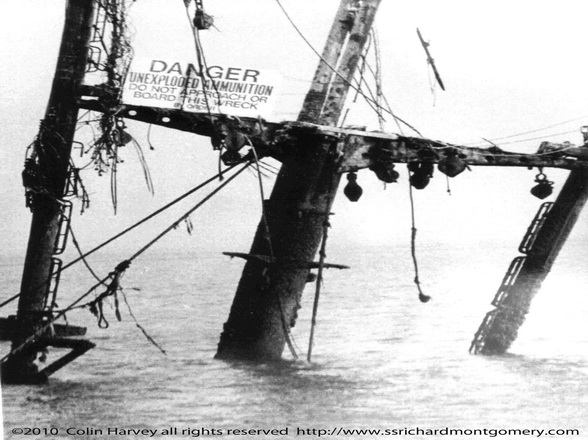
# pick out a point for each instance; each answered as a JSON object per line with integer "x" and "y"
{"x": 276, "y": 139}
{"x": 406, "y": 149}
{"x": 260, "y": 131}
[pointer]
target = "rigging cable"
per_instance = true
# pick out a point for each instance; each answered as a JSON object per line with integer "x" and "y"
{"x": 261, "y": 194}
{"x": 319, "y": 277}
{"x": 115, "y": 276}
{"x": 369, "y": 100}
{"x": 199, "y": 59}
{"x": 536, "y": 130}
{"x": 378, "y": 78}
{"x": 39, "y": 331}
{"x": 139, "y": 326}
{"x": 101, "y": 317}
{"x": 268, "y": 168}
{"x": 133, "y": 226}
{"x": 149, "y": 338}
{"x": 286, "y": 330}
{"x": 379, "y": 108}
{"x": 388, "y": 109}
{"x": 361, "y": 79}
{"x": 539, "y": 137}
{"x": 82, "y": 256}
{"x": 188, "y": 213}
{"x": 203, "y": 67}
{"x": 319, "y": 281}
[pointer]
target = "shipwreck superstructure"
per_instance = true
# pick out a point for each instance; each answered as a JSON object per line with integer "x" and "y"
{"x": 315, "y": 151}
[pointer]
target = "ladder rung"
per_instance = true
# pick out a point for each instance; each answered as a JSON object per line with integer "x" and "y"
{"x": 508, "y": 280}
{"x": 56, "y": 264}
{"x": 529, "y": 238}
{"x": 64, "y": 219}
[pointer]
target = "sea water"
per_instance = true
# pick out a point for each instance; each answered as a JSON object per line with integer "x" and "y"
{"x": 381, "y": 359}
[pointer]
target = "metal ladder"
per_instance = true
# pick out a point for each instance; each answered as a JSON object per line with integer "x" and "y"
{"x": 510, "y": 278}
{"x": 66, "y": 207}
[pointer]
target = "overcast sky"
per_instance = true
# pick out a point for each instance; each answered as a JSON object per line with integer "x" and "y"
{"x": 508, "y": 66}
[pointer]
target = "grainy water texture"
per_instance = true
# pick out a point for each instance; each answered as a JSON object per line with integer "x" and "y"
{"x": 381, "y": 358}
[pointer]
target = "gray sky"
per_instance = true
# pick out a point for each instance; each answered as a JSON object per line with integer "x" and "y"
{"x": 509, "y": 67}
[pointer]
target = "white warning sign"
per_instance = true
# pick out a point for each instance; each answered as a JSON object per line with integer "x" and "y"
{"x": 171, "y": 84}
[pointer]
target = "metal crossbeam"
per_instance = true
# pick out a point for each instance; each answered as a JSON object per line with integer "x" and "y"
{"x": 360, "y": 146}
{"x": 407, "y": 149}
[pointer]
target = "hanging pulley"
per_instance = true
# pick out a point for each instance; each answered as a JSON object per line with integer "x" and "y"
{"x": 119, "y": 135}
{"x": 383, "y": 164}
{"x": 202, "y": 21}
{"x": 352, "y": 190}
{"x": 544, "y": 187}
{"x": 451, "y": 165}
{"x": 421, "y": 173}
{"x": 228, "y": 136}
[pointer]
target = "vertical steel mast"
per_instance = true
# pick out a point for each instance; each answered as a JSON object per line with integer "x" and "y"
{"x": 268, "y": 295}
{"x": 51, "y": 167}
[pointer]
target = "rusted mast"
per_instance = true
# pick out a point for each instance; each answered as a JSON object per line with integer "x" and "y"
{"x": 268, "y": 295}
{"x": 52, "y": 151}
{"x": 500, "y": 327}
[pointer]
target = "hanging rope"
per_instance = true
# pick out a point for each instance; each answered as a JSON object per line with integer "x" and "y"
{"x": 422, "y": 297}
{"x": 82, "y": 256}
{"x": 42, "y": 329}
{"x": 113, "y": 180}
{"x": 261, "y": 194}
{"x": 200, "y": 59}
{"x": 112, "y": 280}
{"x": 388, "y": 109}
{"x": 319, "y": 281}
{"x": 96, "y": 305}
{"x": 139, "y": 326}
{"x": 370, "y": 101}
{"x": 151, "y": 147}
{"x": 130, "y": 228}
{"x": 285, "y": 328}
{"x": 432, "y": 85}
{"x": 448, "y": 184}
{"x": 361, "y": 71}
{"x": 202, "y": 68}
{"x": 144, "y": 166}
{"x": 378, "y": 79}
{"x": 76, "y": 187}
{"x": 319, "y": 277}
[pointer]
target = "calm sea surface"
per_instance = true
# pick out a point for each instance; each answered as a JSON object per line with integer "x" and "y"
{"x": 381, "y": 359}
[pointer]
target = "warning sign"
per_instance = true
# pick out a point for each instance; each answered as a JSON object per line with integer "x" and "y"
{"x": 231, "y": 90}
